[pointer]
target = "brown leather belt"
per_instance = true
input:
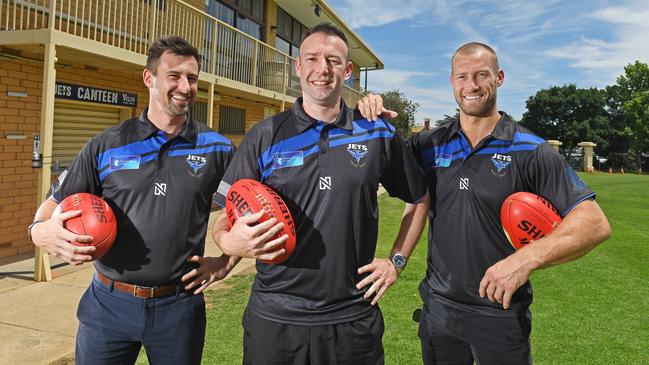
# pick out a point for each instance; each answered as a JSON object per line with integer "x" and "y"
{"x": 139, "y": 291}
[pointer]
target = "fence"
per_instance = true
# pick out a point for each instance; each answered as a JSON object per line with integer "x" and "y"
{"x": 134, "y": 24}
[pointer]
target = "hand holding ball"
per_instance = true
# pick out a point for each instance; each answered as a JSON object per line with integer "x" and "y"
{"x": 248, "y": 196}
{"x": 96, "y": 220}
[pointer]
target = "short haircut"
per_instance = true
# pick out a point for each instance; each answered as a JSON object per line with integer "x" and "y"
{"x": 328, "y": 29}
{"x": 473, "y": 47}
{"x": 173, "y": 44}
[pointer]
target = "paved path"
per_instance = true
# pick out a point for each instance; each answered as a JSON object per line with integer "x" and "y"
{"x": 38, "y": 321}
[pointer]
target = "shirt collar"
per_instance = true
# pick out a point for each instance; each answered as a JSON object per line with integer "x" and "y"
{"x": 145, "y": 128}
{"x": 303, "y": 121}
{"x": 504, "y": 129}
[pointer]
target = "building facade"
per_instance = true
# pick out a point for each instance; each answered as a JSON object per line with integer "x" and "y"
{"x": 71, "y": 68}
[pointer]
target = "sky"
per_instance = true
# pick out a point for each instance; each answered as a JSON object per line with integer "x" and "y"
{"x": 540, "y": 44}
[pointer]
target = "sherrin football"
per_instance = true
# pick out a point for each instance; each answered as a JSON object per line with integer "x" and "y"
{"x": 248, "y": 196}
{"x": 527, "y": 217}
{"x": 96, "y": 220}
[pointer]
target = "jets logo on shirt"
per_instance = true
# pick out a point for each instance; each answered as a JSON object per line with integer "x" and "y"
{"x": 358, "y": 151}
{"x": 195, "y": 163}
{"x": 500, "y": 162}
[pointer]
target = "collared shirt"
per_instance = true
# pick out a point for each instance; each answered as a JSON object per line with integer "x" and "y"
{"x": 328, "y": 174}
{"x": 160, "y": 190}
{"x": 467, "y": 187}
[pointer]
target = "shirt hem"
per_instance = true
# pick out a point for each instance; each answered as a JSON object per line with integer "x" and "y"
{"x": 311, "y": 323}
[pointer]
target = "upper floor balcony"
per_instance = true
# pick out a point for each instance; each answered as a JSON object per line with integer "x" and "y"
{"x": 123, "y": 30}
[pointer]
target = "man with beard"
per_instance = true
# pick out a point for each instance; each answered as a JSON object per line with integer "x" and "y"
{"x": 319, "y": 306}
{"x": 158, "y": 172}
{"x": 476, "y": 291}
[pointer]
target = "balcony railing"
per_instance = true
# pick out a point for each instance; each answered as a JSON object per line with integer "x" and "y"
{"x": 133, "y": 24}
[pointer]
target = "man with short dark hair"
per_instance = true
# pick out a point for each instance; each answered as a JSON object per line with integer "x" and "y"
{"x": 158, "y": 173}
{"x": 318, "y": 307}
{"x": 476, "y": 291}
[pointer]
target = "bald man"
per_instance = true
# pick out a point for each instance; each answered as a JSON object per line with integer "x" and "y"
{"x": 476, "y": 292}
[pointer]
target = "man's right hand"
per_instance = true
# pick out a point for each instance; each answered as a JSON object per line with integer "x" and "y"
{"x": 56, "y": 240}
{"x": 371, "y": 107}
{"x": 247, "y": 238}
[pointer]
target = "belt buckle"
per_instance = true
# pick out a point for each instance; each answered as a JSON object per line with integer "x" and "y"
{"x": 152, "y": 288}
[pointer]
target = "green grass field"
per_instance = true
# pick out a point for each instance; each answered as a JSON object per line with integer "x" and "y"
{"x": 592, "y": 311}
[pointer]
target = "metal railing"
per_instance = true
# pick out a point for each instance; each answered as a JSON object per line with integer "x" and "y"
{"x": 133, "y": 24}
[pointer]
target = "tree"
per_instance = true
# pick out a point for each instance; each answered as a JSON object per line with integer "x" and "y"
{"x": 570, "y": 115}
{"x": 628, "y": 102}
{"x": 448, "y": 119}
{"x": 620, "y": 135}
{"x": 397, "y": 101}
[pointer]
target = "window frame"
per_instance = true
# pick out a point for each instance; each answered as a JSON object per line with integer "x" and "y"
{"x": 241, "y": 130}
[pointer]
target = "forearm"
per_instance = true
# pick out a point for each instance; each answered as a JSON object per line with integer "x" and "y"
{"x": 413, "y": 222}
{"x": 45, "y": 210}
{"x": 580, "y": 231}
{"x": 43, "y": 214}
{"x": 220, "y": 228}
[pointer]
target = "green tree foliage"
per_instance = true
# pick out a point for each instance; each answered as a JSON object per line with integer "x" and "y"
{"x": 448, "y": 119}
{"x": 620, "y": 135}
{"x": 628, "y": 103}
{"x": 570, "y": 115}
{"x": 396, "y": 100}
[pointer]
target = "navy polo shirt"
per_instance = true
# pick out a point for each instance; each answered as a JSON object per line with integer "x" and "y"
{"x": 160, "y": 190}
{"x": 328, "y": 174}
{"x": 468, "y": 186}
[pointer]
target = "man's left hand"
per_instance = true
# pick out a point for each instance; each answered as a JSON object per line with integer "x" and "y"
{"x": 382, "y": 275}
{"x": 209, "y": 270}
{"x": 502, "y": 279}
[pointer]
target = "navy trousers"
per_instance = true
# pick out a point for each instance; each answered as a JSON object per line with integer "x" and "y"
{"x": 113, "y": 326}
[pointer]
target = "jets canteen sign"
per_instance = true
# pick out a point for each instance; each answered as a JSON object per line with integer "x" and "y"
{"x": 95, "y": 95}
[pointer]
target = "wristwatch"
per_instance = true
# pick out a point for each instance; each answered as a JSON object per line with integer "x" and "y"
{"x": 398, "y": 261}
{"x": 29, "y": 230}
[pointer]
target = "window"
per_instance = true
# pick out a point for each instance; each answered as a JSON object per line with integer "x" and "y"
{"x": 289, "y": 33}
{"x": 245, "y": 15}
{"x": 199, "y": 111}
{"x": 282, "y": 45}
{"x": 232, "y": 120}
{"x": 162, "y": 4}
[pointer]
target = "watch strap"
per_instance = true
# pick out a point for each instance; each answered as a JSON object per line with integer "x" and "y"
{"x": 29, "y": 229}
{"x": 398, "y": 260}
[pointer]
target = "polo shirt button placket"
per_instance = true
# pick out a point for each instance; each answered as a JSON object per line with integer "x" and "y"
{"x": 323, "y": 145}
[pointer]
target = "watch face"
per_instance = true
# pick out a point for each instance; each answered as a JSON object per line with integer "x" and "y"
{"x": 398, "y": 261}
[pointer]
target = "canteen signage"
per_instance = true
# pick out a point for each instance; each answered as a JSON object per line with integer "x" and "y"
{"x": 95, "y": 95}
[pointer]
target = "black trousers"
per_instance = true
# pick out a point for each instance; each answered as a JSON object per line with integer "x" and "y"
{"x": 451, "y": 336}
{"x": 354, "y": 343}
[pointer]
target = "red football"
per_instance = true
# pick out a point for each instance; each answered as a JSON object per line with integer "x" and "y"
{"x": 96, "y": 220}
{"x": 248, "y": 196}
{"x": 527, "y": 217}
